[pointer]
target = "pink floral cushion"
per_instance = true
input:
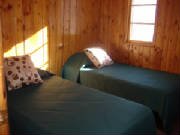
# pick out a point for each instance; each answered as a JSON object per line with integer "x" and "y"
{"x": 19, "y": 71}
{"x": 98, "y": 57}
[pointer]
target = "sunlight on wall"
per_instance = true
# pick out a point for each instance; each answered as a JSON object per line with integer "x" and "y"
{"x": 36, "y": 46}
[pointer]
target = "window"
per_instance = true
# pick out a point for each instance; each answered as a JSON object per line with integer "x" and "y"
{"x": 142, "y": 21}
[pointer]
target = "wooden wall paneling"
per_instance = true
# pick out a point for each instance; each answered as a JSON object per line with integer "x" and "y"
{"x": 19, "y": 28}
{"x": 33, "y": 31}
{"x": 86, "y": 5}
{"x": 81, "y": 25}
{"x": 114, "y": 28}
{"x": 155, "y": 57}
{"x": 3, "y": 95}
{"x": 78, "y": 24}
{"x": 177, "y": 57}
{"x": 38, "y": 16}
{"x": 44, "y": 10}
{"x": 66, "y": 30}
{"x": 124, "y": 53}
{"x": 159, "y": 24}
{"x": 161, "y": 38}
{"x": 34, "y": 42}
{"x": 94, "y": 25}
{"x": 172, "y": 62}
{"x": 168, "y": 33}
{"x": 88, "y": 22}
{"x": 45, "y": 34}
{"x": 107, "y": 14}
{"x": 124, "y": 47}
{"x": 136, "y": 60}
{"x": 165, "y": 30}
{"x": 9, "y": 19}
{"x": 37, "y": 13}
{"x": 28, "y": 26}
{"x": 146, "y": 59}
{"x": 168, "y": 28}
{"x": 136, "y": 55}
{"x": 105, "y": 26}
{"x": 73, "y": 24}
{"x": 102, "y": 22}
{"x": 52, "y": 35}
{"x": 23, "y": 24}
{"x": 85, "y": 22}
{"x": 162, "y": 55}
{"x": 4, "y": 128}
{"x": 177, "y": 53}
{"x": 131, "y": 54}
{"x": 59, "y": 27}
{"x": 140, "y": 56}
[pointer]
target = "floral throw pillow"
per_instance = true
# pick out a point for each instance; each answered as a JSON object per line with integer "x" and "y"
{"x": 98, "y": 57}
{"x": 19, "y": 71}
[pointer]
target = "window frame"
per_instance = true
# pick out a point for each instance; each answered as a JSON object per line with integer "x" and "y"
{"x": 138, "y": 42}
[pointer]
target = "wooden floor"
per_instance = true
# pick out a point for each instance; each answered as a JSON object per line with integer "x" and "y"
{"x": 159, "y": 132}
{"x": 175, "y": 131}
{"x": 4, "y": 128}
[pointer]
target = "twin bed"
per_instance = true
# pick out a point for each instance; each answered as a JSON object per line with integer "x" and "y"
{"x": 61, "y": 107}
{"x": 155, "y": 89}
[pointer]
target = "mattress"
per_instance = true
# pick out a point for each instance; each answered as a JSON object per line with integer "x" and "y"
{"x": 61, "y": 107}
{"x": 155, "y": 89}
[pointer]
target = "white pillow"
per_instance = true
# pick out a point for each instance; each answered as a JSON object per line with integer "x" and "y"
{"x": 98, "y": 57}
{"x": 19, "y": 71}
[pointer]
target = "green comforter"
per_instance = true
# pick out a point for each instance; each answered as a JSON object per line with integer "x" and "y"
{"x": 61, "y": 107}
{"x": 155, "y": 89}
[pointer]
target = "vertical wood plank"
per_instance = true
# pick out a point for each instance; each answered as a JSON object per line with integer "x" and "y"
{"x": 19, "y": 36}
{"x": 3, "y": 95}
{"x": 52, "y": 35}
{"x": 8, "y": 27}
{"x": 59, "y": 55}
{"x": 66, "y": 30}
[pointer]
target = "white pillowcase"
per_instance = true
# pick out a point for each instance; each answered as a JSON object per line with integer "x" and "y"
{"x": 19, "y": 71}
{"x": 98, "y": 57}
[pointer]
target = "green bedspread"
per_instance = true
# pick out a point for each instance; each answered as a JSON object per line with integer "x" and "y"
{"x": 155, "y": 89}
{"x": 61, "y": 107}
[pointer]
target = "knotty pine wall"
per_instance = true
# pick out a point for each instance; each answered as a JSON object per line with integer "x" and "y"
{"x": 3, "y": 97}
{"x": 73, "y": 25}
{"x": 164, "y": 54}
